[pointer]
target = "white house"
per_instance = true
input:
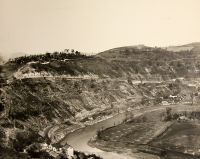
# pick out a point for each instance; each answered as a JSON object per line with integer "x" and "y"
{"x": 182, "y": 118}
{"x": 56, "y": 149}
{"x": 165, "y": 103}
{"x": 70, "y": 152}
{"x": 44, "y": 146}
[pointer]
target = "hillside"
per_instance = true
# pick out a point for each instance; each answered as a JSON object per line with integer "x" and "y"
{"x": 55, "y": 93}
{"x": 1, "y": 60}
{"x": 135, "y": 62}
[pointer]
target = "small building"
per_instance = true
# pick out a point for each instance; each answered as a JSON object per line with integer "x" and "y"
{"x": 50, "y": 147}
{"x": 53, "y": 154}
{"x": 182, "y": 118}
{"x": 165, "y": 103}
{"x": 171, "y": 96}
{"x": 69, "y": 151}
{"x": 57, "y": 149}
{"x": 44, "y": 146}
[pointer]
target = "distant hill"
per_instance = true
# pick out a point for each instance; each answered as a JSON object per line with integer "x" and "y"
{"x": 131, "y": 61}
{"x": 194, "y": 47}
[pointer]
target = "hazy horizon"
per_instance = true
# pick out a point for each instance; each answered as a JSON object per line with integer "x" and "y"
{"x": 39, "y": 26}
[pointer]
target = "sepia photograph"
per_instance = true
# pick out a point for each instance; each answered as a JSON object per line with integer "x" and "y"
{"x": 99, "y": 79}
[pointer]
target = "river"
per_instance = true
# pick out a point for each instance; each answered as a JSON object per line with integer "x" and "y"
{"x": 79, "y": 138}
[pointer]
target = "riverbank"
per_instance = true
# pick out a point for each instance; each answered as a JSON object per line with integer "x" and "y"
{"x": 79, "y": 138}
{"x": 126, "y": 138}
{"x": 138, "y": 111}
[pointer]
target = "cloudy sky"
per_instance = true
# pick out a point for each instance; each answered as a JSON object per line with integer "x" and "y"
{"x": 38, "y": 26}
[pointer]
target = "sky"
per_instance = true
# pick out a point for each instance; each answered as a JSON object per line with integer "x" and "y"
{"x": 38, "y": 26}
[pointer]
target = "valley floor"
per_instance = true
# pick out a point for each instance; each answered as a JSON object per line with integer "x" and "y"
{"x": 145, "y": 136}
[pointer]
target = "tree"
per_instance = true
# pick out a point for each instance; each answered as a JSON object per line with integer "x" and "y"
{"x": 192, "y": 97}
{"x": 141, "y": 80}
{"x": 99, "y": 134}
{"x": 2, "y": 136}
{"x": 66, "y": 50}
{"x": 1, "y": 106}
{"x": 35, "y": 147}
{"x": 168, "y": 114}
{"x": 48, "y": 55}
{"x": 77, "y": 53}
{"x": 129, "y": 80}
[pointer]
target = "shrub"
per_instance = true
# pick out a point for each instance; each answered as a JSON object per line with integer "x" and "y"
{"x": 24, "y": 139}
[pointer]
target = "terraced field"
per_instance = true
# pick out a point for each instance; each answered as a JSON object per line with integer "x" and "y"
{"x": 181, "y": 137}
{"x": 134, "y": 133}
{"x": 148, "y": 133}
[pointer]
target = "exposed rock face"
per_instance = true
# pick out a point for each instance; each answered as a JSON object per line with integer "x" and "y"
{"x": 54, "y": 96}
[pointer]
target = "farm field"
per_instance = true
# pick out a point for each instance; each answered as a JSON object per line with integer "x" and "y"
{"x": 126, "y": 137}
{"x": 133, "y": 133}
{"x": 182, "y": 137}
{"x": 149, "y": 134}
{"x": 140, "y": 130}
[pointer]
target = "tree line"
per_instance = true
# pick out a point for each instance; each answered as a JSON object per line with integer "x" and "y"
{"x": 66, "y": 54}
